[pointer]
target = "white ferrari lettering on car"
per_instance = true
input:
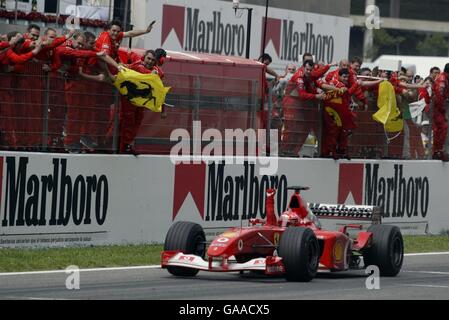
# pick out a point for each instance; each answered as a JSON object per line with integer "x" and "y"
{"x": 186, "y": 258}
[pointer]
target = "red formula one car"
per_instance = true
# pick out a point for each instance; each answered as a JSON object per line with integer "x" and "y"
{"x": 293, "y": 244}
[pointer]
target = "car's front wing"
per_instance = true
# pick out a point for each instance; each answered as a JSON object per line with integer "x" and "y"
{"x": 271, "y": 265}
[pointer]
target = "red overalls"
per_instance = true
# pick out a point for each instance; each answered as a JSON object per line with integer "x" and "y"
{"x": 12, "y": 112}
{"x": 300, "y": 117}
{"x": 338, "y": 121}
{"x": 75, "y": 95}
{"x": 440, "y": 94}
{"x": 356, "y": 89}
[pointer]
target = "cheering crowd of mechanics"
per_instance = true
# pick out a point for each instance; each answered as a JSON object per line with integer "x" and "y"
{"x": 343, "y": 88}
{"x": 75, "y": 55}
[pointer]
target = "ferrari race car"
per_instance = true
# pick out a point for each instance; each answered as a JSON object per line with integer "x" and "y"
{"x": 293, "y": 245}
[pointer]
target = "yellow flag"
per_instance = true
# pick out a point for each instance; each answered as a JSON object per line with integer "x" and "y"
{"x": 389, "y": 114}
{"x": 142, "y": 90}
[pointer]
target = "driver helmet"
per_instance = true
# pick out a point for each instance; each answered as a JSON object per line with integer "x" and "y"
{"x": 288, "y": 218}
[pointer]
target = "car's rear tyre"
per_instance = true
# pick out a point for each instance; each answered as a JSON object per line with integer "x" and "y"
{"x": 386, "y": 250}
{"x": 299, "y": 251}
{"x": 189, "y": 238}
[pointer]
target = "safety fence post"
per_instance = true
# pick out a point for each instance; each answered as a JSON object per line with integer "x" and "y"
{"x": 195, "y": 114}
{"x": 196, "y": 108}
{"x": 45, "y": 112}
{"x": 253, "y": 105}
{"x": 116, "y": 133}
{"x": 429, "y": 133}
{"x": 319, "y": 134}
{"x": 270, "y": 108}
{"x": 386, "y": 143}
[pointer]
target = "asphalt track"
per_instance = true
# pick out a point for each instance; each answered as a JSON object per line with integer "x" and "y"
{"x": 422, "y": 277}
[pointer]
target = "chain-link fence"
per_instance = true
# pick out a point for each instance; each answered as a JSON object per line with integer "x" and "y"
{"x": 301, "y": 125}
{"x": 52, "y": 112}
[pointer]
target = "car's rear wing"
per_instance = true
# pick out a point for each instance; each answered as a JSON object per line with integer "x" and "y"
{"x": 347, "y": 212}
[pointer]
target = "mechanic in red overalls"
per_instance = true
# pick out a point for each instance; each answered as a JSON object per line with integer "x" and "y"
{"x": 131, "y": 116}
{"x": 338, "y": 118}
{"x": 266, "y": 60}
{"x": 110, "y": 40}
{"x": 395, "y": 147}
{"x": 96, "y": 109}
{"x": 5, "y": 94}
{"x": 440, "y": 95}
{"x": 301, "y": 88}
{"x": 28, "y": 86}
{"x": 13, "y": 114}
{"x": 50, "y": 41}
{"x": 291, "y": 107}
{"x": 94, "y": 106}
{"x": 353, "y": 83}
{"x": 56, "y": 108}
{"x": 70, "y": 56}
{"x": 33, "y": 32}
{"x": 317, "y": 72}
{"x": 3, "y": 45}
{"x": 32, "y": 83}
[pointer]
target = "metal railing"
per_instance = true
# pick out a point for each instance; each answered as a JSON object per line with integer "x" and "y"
{"x": 52, "y": 113}
{"x": 302, "y": 131}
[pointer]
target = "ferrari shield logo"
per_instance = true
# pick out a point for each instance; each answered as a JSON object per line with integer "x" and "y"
{"x": 276, "y": 239}
{"x": 338, "y": 252}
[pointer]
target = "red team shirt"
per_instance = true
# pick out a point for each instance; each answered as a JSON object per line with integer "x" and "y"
{"x": 317, "y": 72}
{"x": 139, "y": 66}
{"x": 47, "y": 52}
{"x": 4, "y": 45}
{"x": 11, "y": 58}
{"x": 440, "y": 89}
{"x": 108, "y": 45}
{"x": 69, "y": 57}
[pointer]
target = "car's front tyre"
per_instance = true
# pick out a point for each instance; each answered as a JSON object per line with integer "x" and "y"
{"x": 299, "y": 251}
{"x": 189, "y": 238}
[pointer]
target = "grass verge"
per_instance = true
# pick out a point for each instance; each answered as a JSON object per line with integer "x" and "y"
{"x": 18, "y": 260}
{"x": 417, "y": 244}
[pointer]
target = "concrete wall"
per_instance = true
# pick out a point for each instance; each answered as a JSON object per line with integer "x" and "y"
{"x": 64, "y": 199}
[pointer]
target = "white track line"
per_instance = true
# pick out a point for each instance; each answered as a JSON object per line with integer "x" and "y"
{"x": 81, "y": 270}
{"x": 427, "y": 272}
{"x": 426, "y": 286}
{"x": 32, "y": 298}
{"x": 158, "y": 266}
{"x": 425, "y": 254}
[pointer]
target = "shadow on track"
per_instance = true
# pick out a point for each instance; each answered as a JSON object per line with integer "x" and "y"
{"x": 260, "y": 277}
